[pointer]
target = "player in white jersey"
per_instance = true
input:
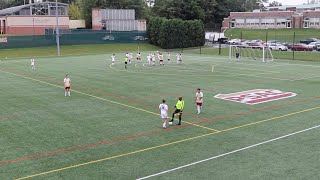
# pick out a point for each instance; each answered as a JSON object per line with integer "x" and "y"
{"x": 130, "y": 57}
{"x": 160, "y": 56}
{"x": 113, "y": 59}
{"x": 33, "y": 66}
{"x": 168, "y": 57}
{"x": 153, "y": 57}
{"x": 67, "y": 85}
{"x": 199, "y": 100}
{"x": 138, "y": 57}
{"x": 164, "y": 113}
{"x": 149, "y": 59}
{"x": 179, "y": 58}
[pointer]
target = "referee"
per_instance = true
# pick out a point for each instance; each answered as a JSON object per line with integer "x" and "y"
{"x": 178, "y": 110}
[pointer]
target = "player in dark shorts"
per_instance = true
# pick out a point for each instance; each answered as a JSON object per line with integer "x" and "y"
{"x": 125, "y": 62}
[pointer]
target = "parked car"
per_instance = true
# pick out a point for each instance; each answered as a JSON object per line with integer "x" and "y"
{"x": 223, "y": 40}
{"x": 313, "y": 45}
{"x": 272, "y": 42}
{"x": 289, "y": 45}
{"x": 234, "y": 41}
{"x": 256, "y": 45}
{"x": 278, "y": 47}
{"x": 300, "y": 47}
{"x": 309, "y": 40}
{"x": 318, "y": 47}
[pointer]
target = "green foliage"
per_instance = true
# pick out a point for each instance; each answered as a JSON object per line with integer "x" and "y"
{"x": 211, "y": 12}
{"x": 74, "y": 11}
{"x": 175, "y": 33}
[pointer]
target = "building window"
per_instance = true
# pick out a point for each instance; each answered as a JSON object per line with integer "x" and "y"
{"x": 306, "y": 24}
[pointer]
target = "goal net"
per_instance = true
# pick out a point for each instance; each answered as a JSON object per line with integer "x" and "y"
{"x": 259, "y": 53}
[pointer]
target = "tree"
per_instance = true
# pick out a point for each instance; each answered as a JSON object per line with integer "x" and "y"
{"x": 75, "y": 11}
{"x": 275, "y": 3}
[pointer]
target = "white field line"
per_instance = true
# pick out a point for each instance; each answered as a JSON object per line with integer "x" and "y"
{"x": 228, "y": 153}
{"x": 104, "y": 99}
{"x": 225, "y": 74}
{"x": 275, "y": 63}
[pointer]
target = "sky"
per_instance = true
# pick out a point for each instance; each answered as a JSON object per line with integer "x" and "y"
{"x": 290, "y": 2}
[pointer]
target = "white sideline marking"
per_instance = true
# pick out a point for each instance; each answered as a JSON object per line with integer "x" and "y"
{"x": 228, "y": 153}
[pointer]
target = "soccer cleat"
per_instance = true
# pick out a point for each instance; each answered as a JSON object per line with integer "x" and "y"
{"x": 179, "y": 124}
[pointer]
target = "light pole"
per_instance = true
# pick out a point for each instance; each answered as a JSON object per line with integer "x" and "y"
{"x": 57, "y": 30}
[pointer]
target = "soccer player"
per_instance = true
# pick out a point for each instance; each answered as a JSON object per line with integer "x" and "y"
{"x": 130, "y": 57}
{"x": 164, "y": 113}
{"x": 67, "y": 84}
{"x": 33, "y": 63}
{"x": 199, "y": 100}
{"x": 179, "y": 58}
{"x": 113, "y": 59}
{"x": 237, "y": 54}
{"x": 149, "y": 58}
{"x": 125, "y": 62}
{"x": 178, "y": 110}
{"x": 160, "y": 59}
{"x": 139, "y": 57}
{"x": 153, "y": 57}
{"x": 168, "y": 57}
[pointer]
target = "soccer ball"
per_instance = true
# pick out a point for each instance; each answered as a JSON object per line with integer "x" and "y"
{"x": 170, "y": 123}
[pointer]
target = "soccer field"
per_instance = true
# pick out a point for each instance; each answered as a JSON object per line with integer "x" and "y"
{"x": 110, "y": 127}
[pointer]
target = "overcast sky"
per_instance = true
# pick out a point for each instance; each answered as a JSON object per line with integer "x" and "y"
{"x": 290, "y": 2}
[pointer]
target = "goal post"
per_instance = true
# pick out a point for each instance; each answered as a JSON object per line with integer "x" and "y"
{"x": 240, "y": 52}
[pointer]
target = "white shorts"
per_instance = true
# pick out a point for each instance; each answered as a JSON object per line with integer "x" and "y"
{"x": 164, "y": 116}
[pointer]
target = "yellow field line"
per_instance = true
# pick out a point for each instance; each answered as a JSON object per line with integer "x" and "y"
{"x": 167, "y": 144}
{"x": 103, "y": 99}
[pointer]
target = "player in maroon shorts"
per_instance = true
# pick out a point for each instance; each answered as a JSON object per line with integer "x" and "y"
{"x": 67, "y": 84}
{"x": 199, "y": 100}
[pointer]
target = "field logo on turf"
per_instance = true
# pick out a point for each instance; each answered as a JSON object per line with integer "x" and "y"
{"x": 256, "y": 96}
{"x": 3, "y": 40}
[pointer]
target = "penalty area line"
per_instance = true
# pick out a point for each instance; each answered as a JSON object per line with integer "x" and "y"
{"x": 229, "y": 153}
{"x": 107, "y": 100}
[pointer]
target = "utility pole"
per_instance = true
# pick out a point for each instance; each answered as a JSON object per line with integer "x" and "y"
{"x": 57, "y": 30}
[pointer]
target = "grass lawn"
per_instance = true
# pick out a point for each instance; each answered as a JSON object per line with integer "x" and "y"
{"x": 283, "y": 35}
{"x": 305, "y": 56}
{"x": 74, "y": 50}
{"x": 123, "y": 47}
{"x": 109, "y": 128}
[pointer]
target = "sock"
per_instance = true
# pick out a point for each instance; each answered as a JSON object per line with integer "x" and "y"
{"x": 198, "y": 108}
{"x": 65, "y": 93}
{"x": 164, "y": 124}
{"x": 68, "y": 93}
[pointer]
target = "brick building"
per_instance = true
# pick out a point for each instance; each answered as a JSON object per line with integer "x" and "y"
{"x": 33, "y": 18}
{"x": 304, "y": 16}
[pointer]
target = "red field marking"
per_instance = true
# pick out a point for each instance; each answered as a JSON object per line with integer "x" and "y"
{"x": 257, "y": 110}
{"x": 7, "y": 117}
{"x": 91, "y": 145}
{"x": 156, "y": 131}
{"x": 152, "y": 132}
{"x": 96, "y": 90}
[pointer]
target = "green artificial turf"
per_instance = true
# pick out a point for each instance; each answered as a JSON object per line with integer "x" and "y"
{"x": 110, "y": 127}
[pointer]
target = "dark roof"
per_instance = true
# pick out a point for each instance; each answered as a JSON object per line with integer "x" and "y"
{"x": 12, "y": 10}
